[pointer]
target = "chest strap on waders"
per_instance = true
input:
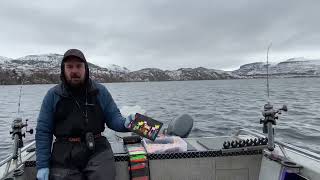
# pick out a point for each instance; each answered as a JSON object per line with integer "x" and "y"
{"x": 138, "y": 165}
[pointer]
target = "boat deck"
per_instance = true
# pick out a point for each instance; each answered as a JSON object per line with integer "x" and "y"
{"x": 204, "y": 159}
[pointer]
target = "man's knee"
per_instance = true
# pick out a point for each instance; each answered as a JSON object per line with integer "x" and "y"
{"x": 101, "y": 166}
{"x": 65, "y": 174}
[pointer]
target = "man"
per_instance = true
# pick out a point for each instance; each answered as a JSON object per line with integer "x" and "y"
{"x": 75, "y": 112}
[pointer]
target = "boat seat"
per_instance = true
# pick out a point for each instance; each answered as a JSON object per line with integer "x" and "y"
{"x": 181, "y": 126}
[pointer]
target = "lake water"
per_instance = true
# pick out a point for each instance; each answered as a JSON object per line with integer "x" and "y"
{"x": 218, "y": 107}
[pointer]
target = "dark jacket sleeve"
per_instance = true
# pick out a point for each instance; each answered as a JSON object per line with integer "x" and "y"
{"x": 44, "y": 131}
{"x": 113, "y": 117}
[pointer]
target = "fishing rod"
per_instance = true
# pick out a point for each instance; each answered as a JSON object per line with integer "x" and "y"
{"x": 270, "y": 115}
{"x": 268, "y": 90}
{"x": 17, "y": 134}
{"x": 19, "y": 102}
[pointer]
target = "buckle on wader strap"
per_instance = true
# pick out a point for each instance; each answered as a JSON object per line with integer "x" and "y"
{"x": 138, "y": 165}
{"x": 76, "y": 139}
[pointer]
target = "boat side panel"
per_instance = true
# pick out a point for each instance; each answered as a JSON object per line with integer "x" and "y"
{"x": 232, "y": 174}
{"x": 182, "y": 169}
{"x": 270, "y": 170}
{"x": 242, "y": 167}
{"x": 122, "y": 172}
{"x": 245, "y": 167}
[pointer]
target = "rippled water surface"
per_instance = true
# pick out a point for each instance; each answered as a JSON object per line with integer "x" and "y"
{"x": 219, "y": 107}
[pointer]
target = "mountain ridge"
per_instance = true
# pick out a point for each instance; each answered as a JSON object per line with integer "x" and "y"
{"x": 45, "y": 68}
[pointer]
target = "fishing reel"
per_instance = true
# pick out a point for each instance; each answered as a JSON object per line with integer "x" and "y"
{"x": 270, "y": 116}
{"x": 17, "y": 134}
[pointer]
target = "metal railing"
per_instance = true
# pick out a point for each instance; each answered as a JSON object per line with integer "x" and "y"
{"x": 9, "y": 161}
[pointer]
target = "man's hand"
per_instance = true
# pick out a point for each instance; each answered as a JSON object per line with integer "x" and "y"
{"x": 43, "y": 174}
{"x": 128, "y": 120}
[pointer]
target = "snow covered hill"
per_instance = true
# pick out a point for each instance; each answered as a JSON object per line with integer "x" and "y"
{"x": 4, "y": 59}
{"x": 294, "y": 67}
{"x": 45, "y": 68}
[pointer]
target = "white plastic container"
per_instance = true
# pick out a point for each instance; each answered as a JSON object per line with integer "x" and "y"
{"x": 165, "y": 144}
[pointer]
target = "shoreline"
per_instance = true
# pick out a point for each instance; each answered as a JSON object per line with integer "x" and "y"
{"x": 244, "y": 78}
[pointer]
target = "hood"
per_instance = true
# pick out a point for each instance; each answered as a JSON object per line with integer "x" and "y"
{"x": 75, "y": 53}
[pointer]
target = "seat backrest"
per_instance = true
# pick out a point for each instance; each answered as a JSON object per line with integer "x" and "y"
{"x": 181, "y": 126}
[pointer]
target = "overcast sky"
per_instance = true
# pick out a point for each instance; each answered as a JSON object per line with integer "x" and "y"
{"x": 166, "y": 34}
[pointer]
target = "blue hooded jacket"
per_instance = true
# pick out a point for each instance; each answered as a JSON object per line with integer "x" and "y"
{"x": 45, "y": 123}
{"x": 44, "y": 130}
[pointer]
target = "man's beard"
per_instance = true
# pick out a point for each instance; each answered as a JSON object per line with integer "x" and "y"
{"x": 75, "y": 81}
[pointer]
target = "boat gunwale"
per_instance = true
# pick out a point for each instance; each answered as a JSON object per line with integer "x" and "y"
{"x": 282, "y": 145}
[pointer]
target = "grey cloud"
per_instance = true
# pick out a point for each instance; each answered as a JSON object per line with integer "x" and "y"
{"x": 163, "y": 33}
